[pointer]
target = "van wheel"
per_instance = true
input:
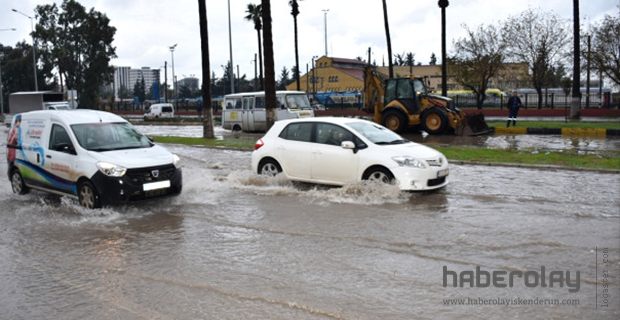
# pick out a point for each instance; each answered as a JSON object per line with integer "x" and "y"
{"x": 379, "y": 174}
{"x": 17, "y": 183}
{"x": 88, "y": 196}
{"x": 269, "y": 167}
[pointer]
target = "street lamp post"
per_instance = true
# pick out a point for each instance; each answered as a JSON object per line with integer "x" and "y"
{"x": 313, "y": 77}
{"x": 232, "y": 78}
{"x": 325, "y": 23}
{"x": 34, "y": 58}
{"x": 174, "y": 82}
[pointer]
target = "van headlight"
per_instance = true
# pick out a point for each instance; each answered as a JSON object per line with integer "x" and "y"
{"x": 407, "y": 161}
{"x": 176, "y": 160}
{"x": 111, "y": 170}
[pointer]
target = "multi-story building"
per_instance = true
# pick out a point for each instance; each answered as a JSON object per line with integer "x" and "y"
{"x": 127, "y": 77}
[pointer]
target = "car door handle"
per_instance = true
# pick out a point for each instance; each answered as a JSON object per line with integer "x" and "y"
{"x": 48, "y": 156}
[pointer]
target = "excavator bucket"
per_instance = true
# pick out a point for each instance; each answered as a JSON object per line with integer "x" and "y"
{"x": 475, "y": 125}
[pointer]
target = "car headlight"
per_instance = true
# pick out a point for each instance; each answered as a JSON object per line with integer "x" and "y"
{"x": 406, "y": 161}
{"x": 175, "y": 160}
{"x": 111, "y": 170}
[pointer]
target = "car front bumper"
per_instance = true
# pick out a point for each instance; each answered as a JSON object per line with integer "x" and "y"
{"x": 416, "y": 179}
{"x": 138, "y": 185}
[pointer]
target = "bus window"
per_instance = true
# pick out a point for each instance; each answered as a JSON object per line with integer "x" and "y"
{"x": 259, "y": 103}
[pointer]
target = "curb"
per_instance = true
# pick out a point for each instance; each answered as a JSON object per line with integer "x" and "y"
{"x": 531, "y": 166}
{"x": 590, "y": 132}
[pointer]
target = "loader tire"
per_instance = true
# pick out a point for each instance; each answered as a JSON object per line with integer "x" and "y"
{"x": 394, "y": 120}
{"x": 434, "y": 121}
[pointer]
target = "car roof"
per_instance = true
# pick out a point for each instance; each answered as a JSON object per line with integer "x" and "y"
{"x": 74, "y": 116}
{"x": 334, "y": 120}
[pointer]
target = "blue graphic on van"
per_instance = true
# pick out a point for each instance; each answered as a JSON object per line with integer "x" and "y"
{"x": 37, "y": 173}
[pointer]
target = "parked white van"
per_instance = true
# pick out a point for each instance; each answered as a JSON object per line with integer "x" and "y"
{"x": 159, "y": 110}
{"x": 95, "y": 156}
{"x": 246, "y": 111}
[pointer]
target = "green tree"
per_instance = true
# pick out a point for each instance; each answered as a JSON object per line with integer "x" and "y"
{"x": 433, "y": 59}
{"x": 284, "y": 79}
{"x": 139, "y": 90}
{"x": 79, "y": 44}
{"x": 478, "y": 58}
{"x": 17, "y": 74}
{"x": 538, "y": 39}
{"x": 606, "y": 47}
{"x": 254, "y": 14}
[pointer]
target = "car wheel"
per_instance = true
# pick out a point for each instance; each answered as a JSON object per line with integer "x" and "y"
{"x": 434, "y": 121}
{"x": 269, "y": 167}
{"x": 379, "y": 174}
{"x": 394, "y": 120}
{"x": 17, "y": 183}
{"x": 88, "y": 196}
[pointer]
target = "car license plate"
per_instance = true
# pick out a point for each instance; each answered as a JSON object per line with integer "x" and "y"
{"x": 156, "y": 185}
{"x": 442, "y": 173}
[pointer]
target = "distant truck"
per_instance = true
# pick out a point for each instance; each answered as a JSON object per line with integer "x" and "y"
{"x": 35, "y": 100}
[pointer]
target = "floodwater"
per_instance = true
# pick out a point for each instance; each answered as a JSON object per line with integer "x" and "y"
{"x": 540, "y": 143}
{"x": 235, "y": 245}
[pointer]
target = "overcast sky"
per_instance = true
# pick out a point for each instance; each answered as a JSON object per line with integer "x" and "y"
{"x": 146, "y": 28}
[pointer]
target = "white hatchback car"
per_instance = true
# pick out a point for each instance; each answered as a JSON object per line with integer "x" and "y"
{"x": 338, "y": 151}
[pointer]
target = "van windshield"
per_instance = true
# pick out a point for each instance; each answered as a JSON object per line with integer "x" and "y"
{"x": 109, "y": 136}
{"x": 298, "y": 101}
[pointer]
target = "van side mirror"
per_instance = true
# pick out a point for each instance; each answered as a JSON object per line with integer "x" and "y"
{"x": 64, "y": 147}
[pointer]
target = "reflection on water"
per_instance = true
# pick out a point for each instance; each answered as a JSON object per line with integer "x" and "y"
{"x": 513, "y": 142}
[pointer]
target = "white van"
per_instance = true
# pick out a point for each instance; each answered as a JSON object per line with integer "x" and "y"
{"x": 246, "y": 111}
{"x": 159, "y": 110}
{"x": 95, "y": 156}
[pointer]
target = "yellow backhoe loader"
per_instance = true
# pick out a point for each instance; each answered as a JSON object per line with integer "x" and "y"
{"x": 402, "y": 103}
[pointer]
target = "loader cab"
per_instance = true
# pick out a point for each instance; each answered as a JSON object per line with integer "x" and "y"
{"x": 405, "y": 90}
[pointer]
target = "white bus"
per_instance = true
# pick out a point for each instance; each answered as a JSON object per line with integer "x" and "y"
{"x": 246, "y": 111}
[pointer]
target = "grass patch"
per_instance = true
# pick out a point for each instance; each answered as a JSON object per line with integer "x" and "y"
{"x": 559, "y": 124}
{"x": 242, "y": 143}
{"x": 569, "y": 159}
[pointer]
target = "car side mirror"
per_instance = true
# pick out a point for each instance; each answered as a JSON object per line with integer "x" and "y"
{"x": 349, "y": 145}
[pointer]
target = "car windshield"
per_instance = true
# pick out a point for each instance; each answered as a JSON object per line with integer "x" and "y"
{"x": 109, "y": 136}
{"x": 376, "y": 133}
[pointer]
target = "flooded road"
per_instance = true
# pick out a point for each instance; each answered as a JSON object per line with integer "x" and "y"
{"x": 237, "y": 246}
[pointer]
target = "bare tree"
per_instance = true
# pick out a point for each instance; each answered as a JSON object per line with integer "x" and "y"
{"x": 606, "y": 48}
{"x": 270, "y": 74}
{"x": 538, "y": 39}
{"x": 478, "y": 58}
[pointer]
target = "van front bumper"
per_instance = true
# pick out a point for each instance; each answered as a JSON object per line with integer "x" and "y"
{"x": 136, "y": 184}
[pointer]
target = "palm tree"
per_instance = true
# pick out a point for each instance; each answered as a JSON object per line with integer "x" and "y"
{"x": 295, "y": 12}
{"x": 207, "y": 130}
{"x": 270, "y": 74}
{"x": 388, "y": 39}
{"x": 254, "y": 14}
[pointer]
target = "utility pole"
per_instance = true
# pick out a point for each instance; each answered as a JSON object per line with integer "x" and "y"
{"x": 232, "y": 79}
{"x": 325, "y": 11}
{"x": 588, "y": 74}
{"x": 576, "y": 100}
{"x": 443, "y": 4}
{"x": 165, "y": 81}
